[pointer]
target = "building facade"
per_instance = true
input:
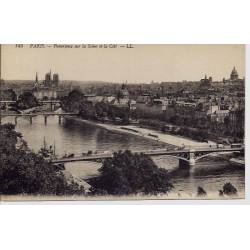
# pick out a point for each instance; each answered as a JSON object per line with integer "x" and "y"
{"x": 49, "y": 87}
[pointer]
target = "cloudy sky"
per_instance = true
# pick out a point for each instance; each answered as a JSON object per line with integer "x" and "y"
{"x": 143, "y": 63}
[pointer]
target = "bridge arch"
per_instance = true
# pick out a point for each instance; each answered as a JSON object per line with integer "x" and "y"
{"x": 214, "y": 153}
{"x": 174, "y": 156}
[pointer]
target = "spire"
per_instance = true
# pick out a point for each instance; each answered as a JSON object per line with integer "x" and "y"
{"x": 36, "y": 77}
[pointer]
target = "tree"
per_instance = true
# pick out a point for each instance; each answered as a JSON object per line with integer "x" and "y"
{"x": 78, "y": 103}
{"x": 87, "y": 110}
{"x": 24, "y": 172}
{"x": 128, "y": 173}
{"x": 101, "y": 109}
{"x": 27, "y": 100}
{"x": 8, "y": 95}
{"x": 201, "y": 192}
{"x": 229, "y": 189}
{"x": 74, "y": 101}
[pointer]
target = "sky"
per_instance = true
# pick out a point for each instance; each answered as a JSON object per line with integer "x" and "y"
{"x": 142, "y": 63}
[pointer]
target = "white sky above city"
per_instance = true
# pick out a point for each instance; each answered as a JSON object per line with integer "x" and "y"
{"x": 143, "y": 63}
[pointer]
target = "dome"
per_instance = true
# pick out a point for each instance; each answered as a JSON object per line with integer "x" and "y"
{"x": 234, "y": 74}
{"x": 234, "y": 71}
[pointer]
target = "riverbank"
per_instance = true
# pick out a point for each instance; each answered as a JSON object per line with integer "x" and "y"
{"x": 184, "y": 198}
{"x": 145, "y": 133}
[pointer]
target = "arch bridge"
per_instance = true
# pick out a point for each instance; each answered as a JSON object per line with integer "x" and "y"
{"x": 187, "y": 157}
{"x": 52, "y": 103}
{"x": 31, "y": 115}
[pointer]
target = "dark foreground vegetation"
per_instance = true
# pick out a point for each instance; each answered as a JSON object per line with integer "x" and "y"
{"x": 229, "y": 189}
{"x": 24, "y": 172}
{"x": 128, "y": 173}
{"x": 201, "y": 192}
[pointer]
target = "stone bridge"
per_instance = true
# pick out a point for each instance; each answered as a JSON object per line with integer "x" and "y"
{"x": 31, "y": 115}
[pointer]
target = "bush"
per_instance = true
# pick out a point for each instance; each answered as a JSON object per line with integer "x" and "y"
{"x": 221, "y": 193}
{"x": 229, "y": 189}
{"x": 201, "y": 192}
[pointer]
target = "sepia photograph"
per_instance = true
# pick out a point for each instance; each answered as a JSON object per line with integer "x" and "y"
{"x": 122, "y": 122}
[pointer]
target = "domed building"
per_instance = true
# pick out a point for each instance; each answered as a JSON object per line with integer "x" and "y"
{"x": 234, "y": 75}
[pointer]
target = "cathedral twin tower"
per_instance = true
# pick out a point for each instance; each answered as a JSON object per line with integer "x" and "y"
{"x": 49, "y": 81}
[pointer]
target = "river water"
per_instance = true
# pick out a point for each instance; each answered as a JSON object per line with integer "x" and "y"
{"x": 72, "y": 137}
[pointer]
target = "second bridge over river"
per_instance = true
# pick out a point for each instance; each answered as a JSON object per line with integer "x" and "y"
{"x": 31, "y": 115}
{"x": 187, "y": 157}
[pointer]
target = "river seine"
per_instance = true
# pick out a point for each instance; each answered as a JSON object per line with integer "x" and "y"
{"x": 72, "y": 137}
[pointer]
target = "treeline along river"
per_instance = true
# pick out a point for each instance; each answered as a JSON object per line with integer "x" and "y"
{"x": 75, "y": 137}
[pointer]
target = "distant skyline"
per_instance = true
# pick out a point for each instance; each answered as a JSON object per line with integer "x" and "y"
{"x": 143, "y": 63}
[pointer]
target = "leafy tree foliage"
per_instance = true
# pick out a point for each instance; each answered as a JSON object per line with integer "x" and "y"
{"x": 229, "y": 189}
{"x": 102, "y": 109}
{"x": 196, "y": 118}
{"x": 78, "y": 103}
{"x": 74, "y": 101}
{"x": 201, "y": 192}
{"x": 24, "y": 172}
{"x": 8, "y": 94}
{"x": 27, "y": 100}
{"x": 128, "y": 173}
